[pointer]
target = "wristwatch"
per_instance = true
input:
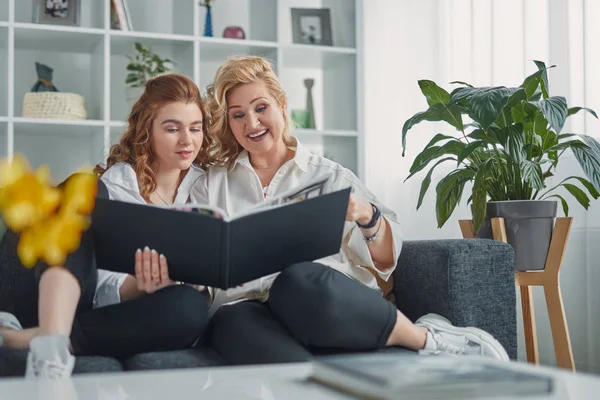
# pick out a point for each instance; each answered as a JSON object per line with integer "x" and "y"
{"x": 373, "y": 221}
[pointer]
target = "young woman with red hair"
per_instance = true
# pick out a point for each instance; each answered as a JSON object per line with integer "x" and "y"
{"x": 83, "y": 310}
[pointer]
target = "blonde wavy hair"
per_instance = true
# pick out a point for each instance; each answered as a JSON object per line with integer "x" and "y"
{"x": 135, "y": 146}
{"x": 231, "y": 74}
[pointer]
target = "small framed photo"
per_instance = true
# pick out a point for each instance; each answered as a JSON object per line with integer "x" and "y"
{"x": 311, "y": 26}
{"x": 57, "y": 12}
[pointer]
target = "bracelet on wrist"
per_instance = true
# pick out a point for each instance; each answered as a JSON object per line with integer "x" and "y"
{"x": 373, "y": 221}
{"x": 370, "y": 239}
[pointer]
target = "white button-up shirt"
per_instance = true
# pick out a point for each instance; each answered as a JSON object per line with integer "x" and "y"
{"x": 122, "y": 184}
{"x": 236, "y": 187}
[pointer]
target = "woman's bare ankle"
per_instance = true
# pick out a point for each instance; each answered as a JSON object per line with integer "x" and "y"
{"x": 407, "y": 334}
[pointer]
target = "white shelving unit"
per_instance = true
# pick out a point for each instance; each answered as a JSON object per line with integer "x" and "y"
{"x": 90, "y": 59}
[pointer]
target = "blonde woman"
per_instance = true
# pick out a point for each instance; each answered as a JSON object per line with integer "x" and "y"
{"x": 334, "y": 302}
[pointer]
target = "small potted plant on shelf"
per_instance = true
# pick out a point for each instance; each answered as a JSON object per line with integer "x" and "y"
{"x": 508, "y": 147}
{"x": 143, "y": 65}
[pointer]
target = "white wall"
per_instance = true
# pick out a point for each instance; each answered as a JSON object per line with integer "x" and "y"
{"x": 484, "y": 42}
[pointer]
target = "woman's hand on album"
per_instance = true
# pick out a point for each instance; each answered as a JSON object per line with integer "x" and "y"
{"x": 359, "y": 210}
{"x": 151, "y": 271}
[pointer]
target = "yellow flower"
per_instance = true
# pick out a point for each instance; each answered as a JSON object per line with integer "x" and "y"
{"x": 25, "y": 197}
{"x": 80, "y": 193}
{"x": 52, "y": 240}
{"x": 50, "y": 220}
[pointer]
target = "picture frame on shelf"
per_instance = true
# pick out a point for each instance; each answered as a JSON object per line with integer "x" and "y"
{"x": 312, "y": 26}
{"x": 57, "y": 12}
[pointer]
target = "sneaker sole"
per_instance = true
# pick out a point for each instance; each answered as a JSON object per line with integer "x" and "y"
{"x": 473, "y": 334}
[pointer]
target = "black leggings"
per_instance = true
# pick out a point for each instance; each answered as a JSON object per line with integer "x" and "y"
{"x": 312, "y": 309}
{"x": 172, "y": 318}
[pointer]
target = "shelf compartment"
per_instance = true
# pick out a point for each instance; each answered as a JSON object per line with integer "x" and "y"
{"x": 122, "y": 98}
{"x": 342, "y": 14}
{"x": 91, "y": 13}
{"x": 326, "y": 132}
{"x": 176, "y": 16}
{"x": 3, "y": 139}
{"x": 4, "y": 11}
{"x": 311, "y": 56}
{"x": 219, "y": 48}
{"x": 257, "y": 18}
{"x": 70, "y": 55}
{"x": 343, "y": 150}
{"x": 63, "y": 147}
{"x": 3, "y": 71}
{"x": 334, "y": 93}
{"x": 57, "y": 38}
{"x": 212, "y": 55}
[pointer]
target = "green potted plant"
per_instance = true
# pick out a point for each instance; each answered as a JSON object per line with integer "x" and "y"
{"x": 508, "y": 146}
{"x": 143, "y": 65}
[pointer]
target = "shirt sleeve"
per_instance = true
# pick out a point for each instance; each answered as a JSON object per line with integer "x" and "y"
{"x": 354, "y": 245}
{"x": 107, "y": 288}
{"x": 199, "y": 191}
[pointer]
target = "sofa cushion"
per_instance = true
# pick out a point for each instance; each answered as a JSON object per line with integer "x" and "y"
{"x": 202, "y": 356}
{"x": 13, "y": 362}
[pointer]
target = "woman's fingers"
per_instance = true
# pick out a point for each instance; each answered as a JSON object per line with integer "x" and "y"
{"x": 139, "y": 274}
{"x": 147, "y": 266}
{"x": 155, "y": 268}
{"x": 164, "y": 270}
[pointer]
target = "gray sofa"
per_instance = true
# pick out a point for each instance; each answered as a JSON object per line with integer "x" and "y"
{"x": 470, "y": 281}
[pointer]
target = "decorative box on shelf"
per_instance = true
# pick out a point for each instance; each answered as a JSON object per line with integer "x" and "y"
{"x": 54, "y": 105}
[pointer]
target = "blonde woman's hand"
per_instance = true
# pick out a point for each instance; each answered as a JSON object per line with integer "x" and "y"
{"x": 151, "y": 271}
{"x": 359, "y": 210}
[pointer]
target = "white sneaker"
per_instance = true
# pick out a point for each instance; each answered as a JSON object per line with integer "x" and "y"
{"x": 8, "y": 321}
{"x": 49, "y": 357}
{"x": 443, "y": 337}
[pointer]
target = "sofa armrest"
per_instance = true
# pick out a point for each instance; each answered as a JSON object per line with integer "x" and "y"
{"x": 469, "y": 281}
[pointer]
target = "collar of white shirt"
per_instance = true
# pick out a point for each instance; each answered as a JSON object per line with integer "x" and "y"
{"x": 301, "y": 157}
{"x": 122, "y": 183}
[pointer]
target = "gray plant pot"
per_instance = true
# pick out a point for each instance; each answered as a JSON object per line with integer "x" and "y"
{"x": 529, "y": 227}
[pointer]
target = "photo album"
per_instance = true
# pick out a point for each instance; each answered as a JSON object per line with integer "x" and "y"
{"x": 204, "y": 245}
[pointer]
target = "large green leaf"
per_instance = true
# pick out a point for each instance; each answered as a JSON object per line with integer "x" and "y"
{"x": 449, "y": 192}
{"x": 438, "y": 138}
{"x": 433, "y": 93}
{"x": 463, "y": 93}
{"x": 589, "y": 159}
{"x": 578, "y": 194}
{"x": 506, "y": 115}
{"x": 575, "y": 110}
{"x": 532, "y": 173}
{"x": 564, "y": 203}
{"x": 427, "y": 181}
{"x": 453, "y": 147}
{"x": 569, "y": 144}
{"x": 589, "y": 186}
{"x": 486, "y": 105}
{"x": 537, "y": 79}
{"x": 555, "y": 110}
{"x": 437, "y": 112}
{"x": 470, "y": 148}
{"x": 479, "y": 195}
{"x": 461, "y": 83}
{"x": 487, "y": 137}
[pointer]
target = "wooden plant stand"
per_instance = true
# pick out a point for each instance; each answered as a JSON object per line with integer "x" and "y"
{"x": 548, "y": 278}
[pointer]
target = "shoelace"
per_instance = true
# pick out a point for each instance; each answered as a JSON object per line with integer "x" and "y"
{"x": 444, "y": 347}
{"x": 52, "y": 369}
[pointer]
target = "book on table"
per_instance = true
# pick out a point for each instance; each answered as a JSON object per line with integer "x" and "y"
{"x": 204, "y": 245}
{"x": 410, "y": 376}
